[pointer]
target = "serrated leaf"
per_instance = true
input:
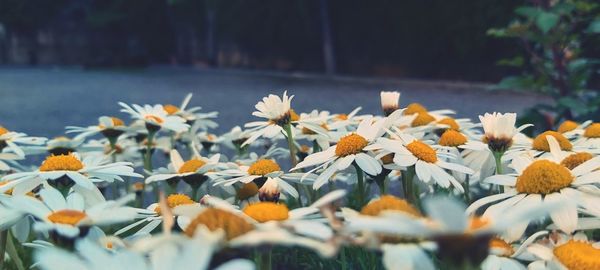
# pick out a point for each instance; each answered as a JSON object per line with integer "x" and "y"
{"x": 546, "y": 21}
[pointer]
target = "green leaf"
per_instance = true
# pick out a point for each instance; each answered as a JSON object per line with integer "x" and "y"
{"x": 512, "y": 62}
{"x": 515, "y": 83}
{"x": 529, "y": 12}
{"x": 546, "y": 21}
{"x": 594, "y": 27}
{"x": 574, "y": 104}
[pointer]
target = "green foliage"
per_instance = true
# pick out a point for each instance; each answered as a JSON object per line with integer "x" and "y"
{"x": 554, "y": 62}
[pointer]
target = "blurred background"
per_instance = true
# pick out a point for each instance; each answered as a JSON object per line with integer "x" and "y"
{"x": 547, "y": 47}
{"x": 413, "y": 38}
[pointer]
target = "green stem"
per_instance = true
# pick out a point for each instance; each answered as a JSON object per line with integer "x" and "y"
{"x": 3, "y": 237}
{"x": 265, "y": 260}
{"x": 291, "y": 146}
{"x": 409, "y": 186}
{"x": 467, "y": 187}
{"x": 361, "y": 185}
{"x": 290, "y": 140}
{"x": 343, "y": 258}
{"x": 148, "y": 154}
{"x": 195, "y": 189}
{"x": 12, "y": 252}
{"x": 498, "y": 159}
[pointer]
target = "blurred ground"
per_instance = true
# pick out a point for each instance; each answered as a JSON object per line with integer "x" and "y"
{"x": 42, "y": 101}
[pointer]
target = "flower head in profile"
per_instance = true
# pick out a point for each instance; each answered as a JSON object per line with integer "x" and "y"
{"x": 155, "y": 117}
{"x": 13, "y": 141}
{"x": 70, "y": 170}
{"x": 277, "y": 112}
{"x": 178, "y": 168}
{"x": 265, "y": 173}
{"x": 499, "y": 130}
{"x": 389, "y": 102}
{"x": 70, "y": 216}
{"x": 110, "y": 127}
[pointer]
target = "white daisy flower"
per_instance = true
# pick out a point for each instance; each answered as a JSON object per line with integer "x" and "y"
{"x": 155, "y": 215}
{"x": 177, "y": 168}
{"x": 266, "y": 223}
{"x": 389, "y": 101}
{"x": 62, "y": 146}
{"x": 8, "y": 159}
{"x": 68, "y": 170}
{"x": 589, "y": 137}
{"x": 266, "y": 173}
{"x": 350, "y": 149}
{"x": 345, "y": 122}
{"x": 508, "y": 255}
{"x": 563, "y": 252}
{"x": 71, "y": 217}
{"x": 155, "y": 117}
{"x": 449, "y": 224}
{"x": 543, "y": 181}
{"x": 499, "y": 130}
{"x": 110, "y": 127}
{"x": 12, "y": 141}
{"x": 276, "y": 111}
{"x": 428, "y": 162}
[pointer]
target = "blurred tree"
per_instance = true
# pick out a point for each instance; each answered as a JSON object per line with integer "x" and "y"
{"x": 554, "y": 62}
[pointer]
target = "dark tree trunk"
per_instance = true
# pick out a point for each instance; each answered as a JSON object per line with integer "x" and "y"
{"x": 328, "y": 51}
{"x": 211, "y": 19}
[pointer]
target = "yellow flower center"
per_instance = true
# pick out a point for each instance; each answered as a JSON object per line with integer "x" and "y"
{"x": 247, "y": 191}
{"x": 170, "y": 109}
{"x": 389, "y": 202}
{"x": 477, "y": 222}
{"x": 567, "y": 126}
{"x": 293, "y": 115}
{"x": 67, "y": 217}
{"x": 115, "y": 121}
{"x": 452, "y": 138}
{"x": 309, "y": 131}
{"x": 3, "y": 130}
{"x": 574, "y": 160}
{"x": 350, "y": 144}
{"x": 540, "y": 142}
{"x": 154, "y": 119}
{"x": 422, "y": 151}
{"x": 450, "y": 122}
{"x": 388, "y": 159}
{"x": 304, "y": 148}
{"x": 578, "y": 255}
{"x": 414, "y": 108}
{"x": 507, "y": 249}
{"x": 593, "y": 131}
{"x": 191, "y": 165}
{"x": 543, "y": 177}
{"x": 267, "y": 211}
{"x": 139, "y": 186}
{"x": 175, "y": 200}
{"x": 215, "y": 219}
{"x": 423, "y": 118}
{"x": 341, "y": 117}
{"x": 61, "y": 163}
{"x": 263, "y": 167}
